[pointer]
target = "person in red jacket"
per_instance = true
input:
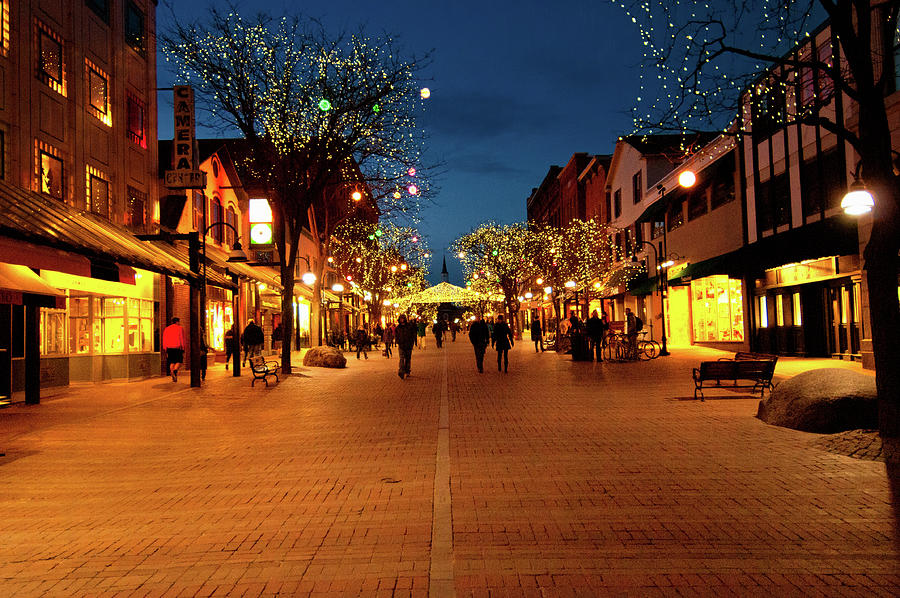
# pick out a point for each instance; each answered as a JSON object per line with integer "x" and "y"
{"x": 173, "y": 344}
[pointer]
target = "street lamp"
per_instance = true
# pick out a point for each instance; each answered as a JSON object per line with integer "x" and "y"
{"x": 339, "y": 289}
{"x": 660, "y": 286}
{"x": 858, "y": 200}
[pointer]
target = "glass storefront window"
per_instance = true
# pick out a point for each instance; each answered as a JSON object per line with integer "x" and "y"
{"x": 113, "y": 325}
{"x": 80, "y": 325}
{"x": 798, "y": 315}
{"x": 779, "y": 310}
{"x": 718, "y": 309}
{"x": 53, "y": 332}
{"x": 763, "y": 312}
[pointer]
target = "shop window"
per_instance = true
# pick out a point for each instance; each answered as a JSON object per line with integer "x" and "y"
{"x": 112, "y": 324}
{"x": 51, "y": 173}
{"x": 718, "y": 309}
{"x": 97, "y": 192}
{"x": 795, "y": 310}
{"x": 140, "y": 325}
{"x": 50, "y": 67}
{"x": 136, "y": 208}
{"x": 762, "y": 312}
{"x": 697, "y": 205}
{"x": 98, "y": 93}
{"x": 637, "y": 187}
{"x": 675, "y": 215}
{"x": 617, "y": 203}
{"x": 134, "y": 28}
{"x": 80, "y": 325}
{"x": 659, "y": 229}
{"x": 779, "y": 310}
{"x": 53, "y": 332}
{"x": 135, "y": 111}
{"x": 100, "y": 8}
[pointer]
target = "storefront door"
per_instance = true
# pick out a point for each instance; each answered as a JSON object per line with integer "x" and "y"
{"x": 815, "y": 343}
{"x": 843, "y": 319}
{"x": 678, "y": 315}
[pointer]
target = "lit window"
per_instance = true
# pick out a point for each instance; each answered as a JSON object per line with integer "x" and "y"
{"x": 637, "y": 187}
{"x": 4, "y": 27}
{"x": 763, "y": 312}
{"x": 779, "y": 310}
{"x": 798, "y": 315}
{"x": 136, "y": 208}
{"x": 617, "y": 203}
{"x": 51, "y": 173}
{"x": 98, "y": 93}
{"x": 135, "y": 120}
{"x": 50, "y": 67}
{"x": 134, "y": 28}
{"x": 97, "y": 192}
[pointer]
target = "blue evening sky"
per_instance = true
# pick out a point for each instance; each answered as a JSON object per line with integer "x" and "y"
{"x": 516, "y": 87}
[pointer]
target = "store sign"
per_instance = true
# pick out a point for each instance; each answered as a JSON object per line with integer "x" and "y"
{"x": 184, "y": 174}
{"x": 260, "y": 216}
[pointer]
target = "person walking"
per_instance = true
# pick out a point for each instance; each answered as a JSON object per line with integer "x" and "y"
{"x": 204, "y": 359}
{"x": 174, "y": 345}
{"x": 405, "y": 334}
{"x": 480, "y": 336}
{"x": 490, "y": 325}
{"x": 537, "y": 335}
{"x": 230, "y": 346}
{"x": 594, "y": 329}
{"x": 388, "y": 338}
{"x": 503, "y": 342}
{"x": 253, "y": 339}
{"x": 438, "y": 330}
{"x": 631, "y": 330}
{"x": 420, "y": 331}
{"x": 361, "y": 340}
{"x": 379, "y": 333}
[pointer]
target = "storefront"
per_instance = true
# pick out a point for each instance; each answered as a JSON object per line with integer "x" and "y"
{"x": 219, "y": 316}
{"x": 302, "y": 310}
{"x": 717, "y": 310}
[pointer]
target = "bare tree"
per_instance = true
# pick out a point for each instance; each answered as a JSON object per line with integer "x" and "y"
{"x": 323, "y": 117}
{"x": 722, "y": 59}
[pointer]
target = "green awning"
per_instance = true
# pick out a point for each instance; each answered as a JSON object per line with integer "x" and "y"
{"x": 642, "y": 286}
{"x": 731, "y": 264}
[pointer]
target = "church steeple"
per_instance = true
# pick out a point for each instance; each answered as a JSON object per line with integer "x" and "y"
{"x": 445, "y": 276}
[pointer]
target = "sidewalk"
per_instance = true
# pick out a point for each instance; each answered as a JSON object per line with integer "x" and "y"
{"x": 560, "y": 478}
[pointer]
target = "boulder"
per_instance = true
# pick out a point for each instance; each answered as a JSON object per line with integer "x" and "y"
{"x": 826, "y": 401}
{"x": 325, "y": 357}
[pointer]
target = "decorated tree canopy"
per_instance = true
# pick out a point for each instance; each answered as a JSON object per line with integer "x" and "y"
{"x": 443, "y": 293}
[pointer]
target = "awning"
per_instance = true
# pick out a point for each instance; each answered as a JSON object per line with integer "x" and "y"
{"x": 732, "y": 264}
{"x": 834, "y": 236}
{"x": 642, "y": 286}
{"x": 20, "y": 283}
{"x": 29, "y": 216}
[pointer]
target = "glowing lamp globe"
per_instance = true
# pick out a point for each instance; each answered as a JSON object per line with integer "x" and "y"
{"x": 356, "y": 196}
{"x": 857, "y": 201}
{"x": 548, "y": 290}
{"x": 529, "y": 295}
{"x": 413, "y": 190}
{"x": 337, "y": 287}
{"x": 540, "y": 281}
{"x": 403, "y": 267}
{"x": 425, "y": 93}
{"x": 687, "y": 179}
{"x": 397, "y": 195}
{"x": 309, "y": 279}
{"x": 393, "y": 268}
{"x": 570, "y": 284}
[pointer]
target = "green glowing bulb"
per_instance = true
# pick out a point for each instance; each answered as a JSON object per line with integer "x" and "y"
{"x": 495, "y": 252}
{"x": 376, "y": 108}
{"x": 379, "y": 232}
{"x": 324, "y": 105}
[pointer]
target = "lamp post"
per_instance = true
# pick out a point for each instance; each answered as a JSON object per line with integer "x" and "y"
{"x": 661, "y": 282}
{"x": 339, "y": 289}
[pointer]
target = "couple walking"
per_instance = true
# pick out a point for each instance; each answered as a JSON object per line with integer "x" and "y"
{"x": 501, "y": 338}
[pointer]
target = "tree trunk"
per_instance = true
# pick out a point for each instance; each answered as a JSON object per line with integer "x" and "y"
{"x": 287, "y": 319}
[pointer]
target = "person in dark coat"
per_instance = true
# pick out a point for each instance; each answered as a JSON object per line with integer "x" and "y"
{"x": 361, "y": 340}
{"x": 230, "y": 345}
{"x": 388, "y": 338}
{"x": 537, "y": 335}
{"x": 253, "y": 339}
{"x": 438, "y": 330}
{"x": 405, "y": 336}
{"x": 480, "y": 336}
{"x": 503, "y": 342}
{"x": 594, "y": 329}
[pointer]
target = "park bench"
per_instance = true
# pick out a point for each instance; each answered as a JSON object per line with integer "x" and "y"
{"x": 733, "y": 373}
{"x": 749, "y": 356}
{"x": 262, "y": 369}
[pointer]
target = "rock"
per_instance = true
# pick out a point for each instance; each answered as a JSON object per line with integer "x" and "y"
{"x": 826, "y": 401}
{"x": 325, "y": 357}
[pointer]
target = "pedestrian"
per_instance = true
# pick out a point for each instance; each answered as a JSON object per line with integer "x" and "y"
{"x": 479, "y": 335}
{"x": 537, "y": 334}
{"x": 631, "y": 330}
{"x": 204, "y": 358}
{"x": 503, "y": 342}
{"x": 361, "y": 339}
{"x": 253, "y": 339}
{"x": 438, "y": 330}
{"x": 174, "y": 345}
{"x": 388, "y": 338}
{"x": 230, "y": 346}
{"x": 277, "y": 337}
{"x": 594, "y": 329}
{"x": 420, "y": 331}
{"x": 379, "y": 332}
{"x": 405, "y": 335}
{"x": 454, "y": 328}
{"x": 490, "y": 325}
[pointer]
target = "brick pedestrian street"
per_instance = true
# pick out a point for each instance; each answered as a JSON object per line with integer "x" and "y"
{"x": 556, "y": 479}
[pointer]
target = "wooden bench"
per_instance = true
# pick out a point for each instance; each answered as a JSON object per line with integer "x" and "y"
{"x": 262, "y": 369}
{"x": 733, "y": 373}
{"x": 749, "y": 356}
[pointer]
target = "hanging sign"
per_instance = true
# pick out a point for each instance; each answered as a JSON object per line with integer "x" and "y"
{"x": 185, "y": 174}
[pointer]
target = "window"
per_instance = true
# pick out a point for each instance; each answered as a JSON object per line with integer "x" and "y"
{"x": 779, "y": 310}
{"x": 4, "y": 27}
{"x": 717, "y": 309}
{"x": 638, "y": 234}
{"x": 230, "y": 218}
{"x": 824, "y": 82}
{"x": 98, "y": 93}
{"x": 797, "y": 313}
{"x": 607, "y": 216}
{"x": 697, "y": 204}
{"x": 50, "y": 67}
{"x": 197, "y": 200}
{"x": 80, "y": 325}
{"x": 51, "y": 174}
{"x": 762, "y": 313}
{"x": 773, "y": 202}
{"x": 136, "y": 209}
{"x": 2, "y": 154}
{"x": 217, "y": 215}
{"x": 617, "y": 203}
{"x": 134, "y": 28}
{"x": 112, "y": 325}
{"x": 822, "y": 182}
{"x": 659, "y": 229}
{"x": 675, "y": 215}
{"x": 53, "y": 332}
{"x": 723, "y": 191}
{"x": 896, "y": 57}
{"x": 97, "y": 192}
{"x": 140, "y": 325}
{"x": 100, "y": 7}
{"x": 637, "y": 187}
{"x": 768, "y": 108}
{"x": 135, "y": 120}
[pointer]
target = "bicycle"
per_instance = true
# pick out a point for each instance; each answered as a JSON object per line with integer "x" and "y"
{"x": 619, "y": 348}
{"x": 647, "y": 350}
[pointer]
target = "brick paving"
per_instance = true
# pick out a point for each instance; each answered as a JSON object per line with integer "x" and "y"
{"x": 564, "y": 479}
